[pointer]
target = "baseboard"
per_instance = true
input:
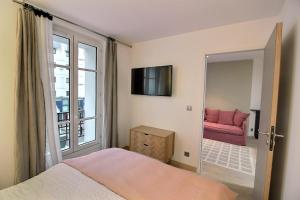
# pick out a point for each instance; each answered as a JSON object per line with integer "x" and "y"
{"x": 182, "y": 166}
{"x": 125, "y": 147}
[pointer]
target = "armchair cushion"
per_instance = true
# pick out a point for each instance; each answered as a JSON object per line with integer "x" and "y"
{"x": 239, "y": 118}
{"x": 212, "y": 115}
{"x": 226, "y": 117}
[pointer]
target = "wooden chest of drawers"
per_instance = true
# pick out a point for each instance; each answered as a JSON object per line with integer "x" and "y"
{"x": 153, "y": 142}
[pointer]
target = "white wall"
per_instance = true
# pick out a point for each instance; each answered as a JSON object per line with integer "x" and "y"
{"x": 257, "y": 75}
{"x": 8, "y": 21}
{"x": 186, "y": 53}
{"x": 286, "y": 166}
{"x": 228, "y": 85}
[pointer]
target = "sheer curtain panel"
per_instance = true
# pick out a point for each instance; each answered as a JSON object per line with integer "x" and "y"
{"x": 45, "y": 40}
{"x": 37, "y": 146}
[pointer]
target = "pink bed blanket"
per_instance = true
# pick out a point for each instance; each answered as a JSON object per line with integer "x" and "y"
{"x": 137, "y": 177}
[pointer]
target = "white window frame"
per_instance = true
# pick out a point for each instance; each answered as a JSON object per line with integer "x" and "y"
{"x": 76, "y": 37}
{"x": 88, "y": 41}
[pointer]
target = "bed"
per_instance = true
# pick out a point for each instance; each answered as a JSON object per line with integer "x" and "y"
{"x": 59, "y": 182}
{"x": 117, "y": 174}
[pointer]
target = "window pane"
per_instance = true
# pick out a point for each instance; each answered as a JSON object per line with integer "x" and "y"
{"x": 62, "y": 91}
{"x": 87, "y": 56}
{"x": 64, "y": 135}
{"x": 86, "y": 94}
{"x": 61, "y": 50}
{"x": 86, "y": 131}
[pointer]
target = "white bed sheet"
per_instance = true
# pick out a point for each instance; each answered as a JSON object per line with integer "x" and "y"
{"x": 60, "y": 182}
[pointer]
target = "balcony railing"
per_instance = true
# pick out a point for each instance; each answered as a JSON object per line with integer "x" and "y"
{"x": 63, "y": 119}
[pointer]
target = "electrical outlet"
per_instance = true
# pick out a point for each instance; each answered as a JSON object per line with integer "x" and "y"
{"x": 187, "y": 154}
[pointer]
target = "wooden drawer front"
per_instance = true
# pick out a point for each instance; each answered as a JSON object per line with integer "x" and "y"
{"x": 145, "y": 149}
{"x": 139, "y": 142}
{"x": 155, "y": 146}
{"x": 158, "y": 145}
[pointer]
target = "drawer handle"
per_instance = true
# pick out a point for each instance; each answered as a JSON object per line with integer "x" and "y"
{"x": 146, "y": 145}
{"x": 146, "y": 134}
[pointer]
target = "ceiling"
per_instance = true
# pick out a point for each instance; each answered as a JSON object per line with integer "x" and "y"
{"x": 235, "y": 56}
{"x": 139, "y": 20}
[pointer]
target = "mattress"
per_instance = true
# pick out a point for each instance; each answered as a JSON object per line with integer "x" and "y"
{"x": 137, "y": 177}
{"x": 60, "y": 182}
{"x": 115, "y": 174}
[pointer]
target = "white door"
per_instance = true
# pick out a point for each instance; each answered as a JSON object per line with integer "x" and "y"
{"x": 267, "y": 125}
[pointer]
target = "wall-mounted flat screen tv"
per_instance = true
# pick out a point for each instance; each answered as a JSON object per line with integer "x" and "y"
{"x": 153, "y": 81}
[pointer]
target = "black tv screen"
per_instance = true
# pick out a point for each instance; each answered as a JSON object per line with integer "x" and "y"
{"x": 154, "y": 81}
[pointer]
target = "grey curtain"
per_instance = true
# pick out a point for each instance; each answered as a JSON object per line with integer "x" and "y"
{"x": 30, "y": 111}
{"x": 110, "y": 131}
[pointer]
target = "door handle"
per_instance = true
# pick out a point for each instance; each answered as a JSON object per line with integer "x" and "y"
{"x": 274, "y": 139}
{"x": 263, "y": 133}
{"x": 268, "y": 134}
{"x": 271, "y": 137}
{"x": 278, "y": 135}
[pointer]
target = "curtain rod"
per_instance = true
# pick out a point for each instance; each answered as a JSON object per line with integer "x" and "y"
{"x": 73, "y": 23}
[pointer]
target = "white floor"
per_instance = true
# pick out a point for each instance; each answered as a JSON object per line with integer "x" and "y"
{"x": 235, "y": 157}
{"x": 238, "y": 181}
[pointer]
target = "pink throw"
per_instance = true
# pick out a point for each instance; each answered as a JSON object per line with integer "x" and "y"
{"x": 137, "y": 177}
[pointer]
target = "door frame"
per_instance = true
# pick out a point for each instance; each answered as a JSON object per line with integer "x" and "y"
{"x": 206, "y": 56}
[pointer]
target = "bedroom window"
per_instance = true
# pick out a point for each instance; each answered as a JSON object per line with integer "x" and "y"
{"x": 78, "y": 65}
